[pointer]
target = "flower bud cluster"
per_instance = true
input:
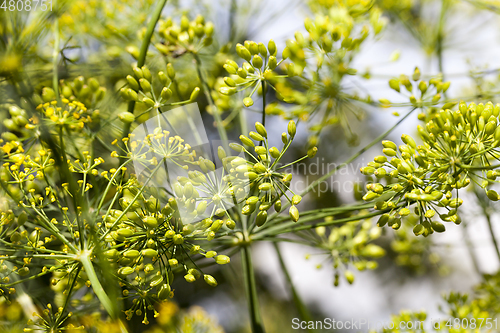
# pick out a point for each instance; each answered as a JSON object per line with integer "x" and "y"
{"x": 140, "y": 89}
{"x": 259, "y": 65}
{"x": 186, "y": 36}
{"x": 350, "y": 246}
{"x": 457, "y": 145}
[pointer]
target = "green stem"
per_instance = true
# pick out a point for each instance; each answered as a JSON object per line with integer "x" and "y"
{"x": 107, "y": 303}
{"x": 215, "y": 110}
{"x": 483, "y": 203}
{"x": 251, "y": 291}
{"x": 298, "y": 226}
{"x": 485, "y": 167}
{"x": 301, "y": 307}
{"x": 440, "y": 37}
{"x": 143, "y": 53}
{"x": 68, "y": 296}
{"x": 470, "y": 248}
{"x": 55, "y": 58}
{"x": 263, "y": 103}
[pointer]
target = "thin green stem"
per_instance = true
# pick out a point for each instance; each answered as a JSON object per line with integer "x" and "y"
{"x": 486, "y": 212}
{"x": 215, "y": 110}
{"x": 299, "y": 304}
{"x": 143, "y": 53}
{"x": 68, "y": 296}
{"x": 470, "y": 248}
{"x": 107, "y": 303}
{"x": 251, "y": 291}
{"x": 298, "y": 226}
{"x": 55, "y": 60}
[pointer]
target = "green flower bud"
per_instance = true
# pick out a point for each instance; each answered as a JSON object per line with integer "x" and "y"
{"x": 284, "y": 138}
{"x": 349, "y": 277}
{"x": 178, "y": 239}
{"x": 230, "y": 69}
{"x": 294, "y": 213}
{"x": 210, "y": 254}
{"x": 248, "y": 101}
{"x": 125, "y": 271}
{"x": 394, "y": 84}
{"x": 367, "y": 170}
{"x": 277, "y": 206}
{"x": 271, "y": 46}
{"x": 292, "y": 128}
{"x": 246, "y": 141}
{"x": 265, "y": 187}
{"x": 274, "y": 152}
{"x": 422, "y": 86}
{"x": 48, "y": 94}
{"x": 492, "y": 195}
{"x": 312, "y": 152}
{"x": 209, "y": 29}
{"x": 194, "y": 94}
{"x": 170, "y": 71}
{"x": 382, "y": 221}
{"x": 125, "y": 232}
{"x": 261, "y": 218}
{"x": 389, "y": 144}
{"x": 230, "y": 224}
{"x": 166, "y": 94}
{"x": 389, "y": 152}
{"x": 146, "y": 73}
{"x": 131, "y": 254}
{"x": 138, "y": 72}
{"x": 163, "y": 78}
{"x": 22, "y": 218}
{"x": 272, "y": 63}
{"x": 148, "y": 101}
{"x": 229, "y": 81}
{"x": 257, "y": 61}
{"x": 23, "y": 271}
{"x": 256, "y": 136}
{"x": 243, "y": 52}
{"x": 149, "y": 253}
{"x": 262, "y": 49}
{"x": 222, "y": 259}
{"x": 164, "y": 292}
{"x": 296, "y": 199}
{"x": 190, "y": 278}
{"x": 216, "y": 225}
{"x": 210, "y": 280}
{"x": 150, "y": 222}
{"x": 416, "y": 74}
{"x": 173, "y": 262}
{"x": 438, "y": 226}
{"x": 372, "y": 250}
{"x": 261, "y": 129}
{"x": 418, "y": 230}
{"x": 221, "y": 153}
{"x": 132, "y": 82}
{"x": 227, "y": 91}
{"x": 370, "y": 196}
{"x": 380, "y": 159}
{"x": 111, "y": 254}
